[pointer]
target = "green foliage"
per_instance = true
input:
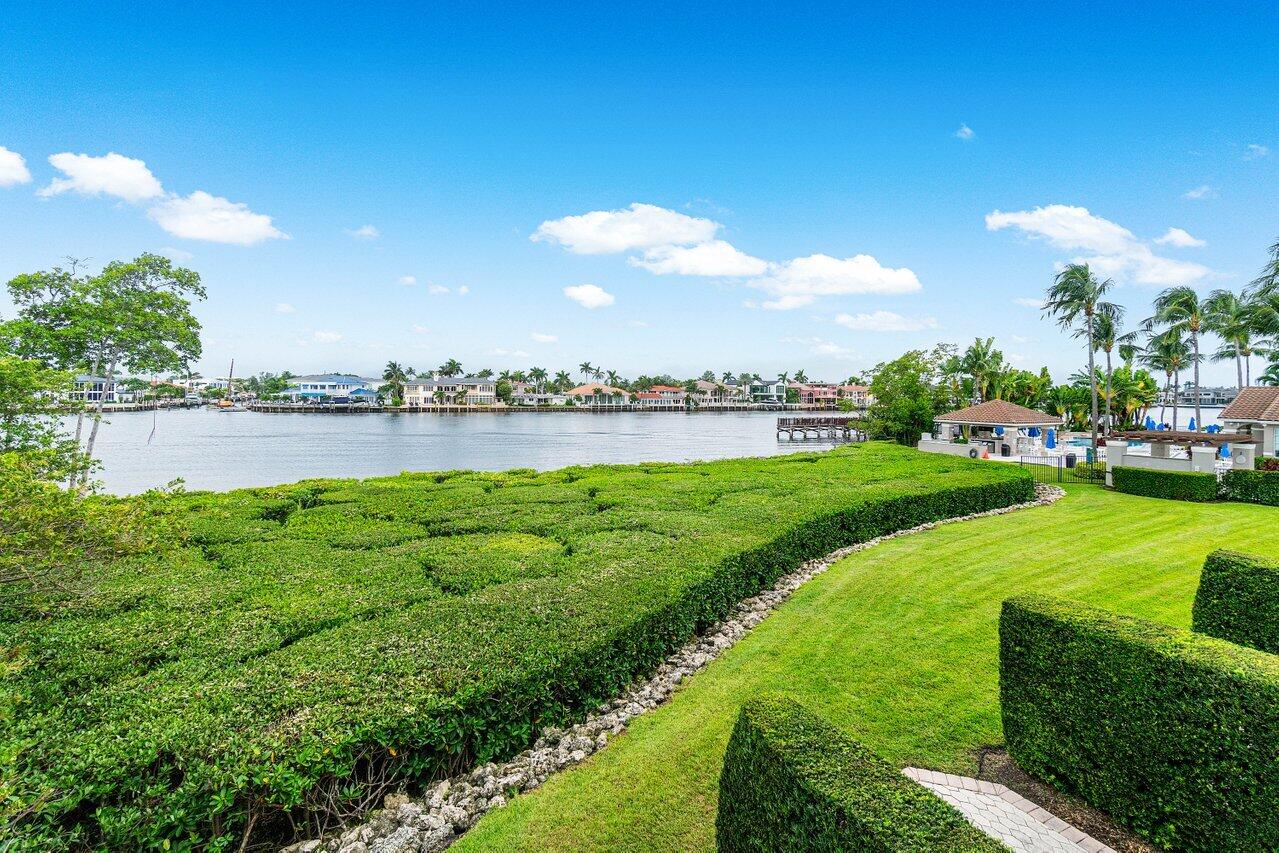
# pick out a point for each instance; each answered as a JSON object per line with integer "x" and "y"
{"x": 1254, "y": 487}
{"x": 905, "y": 398}
{"x": 1238, "y": 600}
{"x": 1170, "y": 485}
{"x": 1267, "y": 463}
{"x": 792, "y": 781}
{"x": 445, "y": 619}
{"x": 32, "y": 402}
{"x": 1089, "y": 470}
{"x": 1170, "y": 732}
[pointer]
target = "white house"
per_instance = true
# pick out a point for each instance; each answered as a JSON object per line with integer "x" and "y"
{"x": 452, "y": 391}
{"x": 91, "y": 389}
{"x": 599, "y": 395}
{"x": 1256, "y": 411}
{"x": 771, "y": 392}
{"x": 335, "y": 386}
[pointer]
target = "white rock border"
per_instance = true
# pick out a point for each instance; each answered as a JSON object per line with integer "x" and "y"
{"x": 453, "y": 805}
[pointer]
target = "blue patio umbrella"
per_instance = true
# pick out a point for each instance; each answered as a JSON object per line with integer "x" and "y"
{"x": 1225, "y": 451}
{"x": 1214, "y": 428}
{"x": 999, "y": 430}
{"x": 1150, "y": 422}
{"x": 1192, "y": 425}
{"x": 1051, "y": 441}
{"x": 1033, "y": 432}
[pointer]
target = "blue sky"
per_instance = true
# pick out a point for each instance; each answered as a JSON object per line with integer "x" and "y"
{"x": 807, "y": 158}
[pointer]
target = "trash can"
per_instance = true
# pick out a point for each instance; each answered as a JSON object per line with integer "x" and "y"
{"x": 1005, "y": 450}
{"x": 1070, "y": 460}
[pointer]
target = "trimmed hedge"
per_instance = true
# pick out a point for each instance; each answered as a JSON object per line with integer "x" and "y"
{"x": 1173, "y": 733}
{"x": 1254, "y": 487}
{"x": 791, "y": 781}
{"x": 1238, "y": 600}
{"x": 1172, "y": 485}
{"x": 402, "y": 627}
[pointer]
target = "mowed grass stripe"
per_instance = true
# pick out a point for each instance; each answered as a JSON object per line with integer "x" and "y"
{"x": 898, "y": 645}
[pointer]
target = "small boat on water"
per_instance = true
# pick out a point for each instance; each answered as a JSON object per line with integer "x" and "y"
{"x": 227, "y": 404}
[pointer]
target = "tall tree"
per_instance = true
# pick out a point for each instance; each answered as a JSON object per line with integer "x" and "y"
{"x": 396, "y": 375}
{"x": 134, "y": 315}
{"x": 1168, "y": 352}
{"x": 452, "y": 367}
{"x": 983, "y": 363}
{"x": 537, "y": 375}
{"x": 801, "y": 376}
{"x": 1233, "y": 320}
{"x": 1181, "y": 308}
{"x": 1107, "y": 334}
{"x": 1074, "y": 299}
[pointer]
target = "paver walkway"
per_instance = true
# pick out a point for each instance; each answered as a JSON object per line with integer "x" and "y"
{"x": 1005, "y": 815}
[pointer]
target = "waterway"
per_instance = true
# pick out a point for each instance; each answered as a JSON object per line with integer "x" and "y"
{"x": 220, "y": 450}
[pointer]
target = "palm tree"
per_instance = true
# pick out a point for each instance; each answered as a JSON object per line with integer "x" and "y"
{"x": 801, "y": 377}
{"x": 1075, "y": 296}
{"x": 396, "y": 375}
{"x": 983, "y": 363}
{"x": 486, "y": 373}
{"x": 1271, "y": 375}
{"x": 563, "y": 381}
{"x": 450, "y": 368}
{"x": 1233, "y": 320}
{"x": 1107, "y": 336}
{"x": 1268, "y": 282}
{"x": 588, "y": 369}
{"x": 1181, "y": 308}
{"x": 538, "y": 376}
{"x": 727, "y": 376}
{"x": 611, "y": 378}
{"x": 1168, "y": 352}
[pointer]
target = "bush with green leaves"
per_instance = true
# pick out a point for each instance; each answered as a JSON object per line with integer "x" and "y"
{"x": 1238, "y": 600}
{"x": 1169, "y": 485}
{"x": 1266, "y": 463}
{"x": 792, "y": 781}
{"x": 1171, "y": 732}
{"x": 312, "y": 645}
{"x": 1254, "y": 487}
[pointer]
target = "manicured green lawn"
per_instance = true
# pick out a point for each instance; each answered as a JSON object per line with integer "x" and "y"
{"x": 897, "y": 645}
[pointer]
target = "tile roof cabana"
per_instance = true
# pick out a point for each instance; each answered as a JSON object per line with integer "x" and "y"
{"x": 993, "y": 413}
{"x": 993, "y": 427}
{"x": 1256, "y": 411}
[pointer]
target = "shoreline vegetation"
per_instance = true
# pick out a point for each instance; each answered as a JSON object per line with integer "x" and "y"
{"x": 310, "y": 647}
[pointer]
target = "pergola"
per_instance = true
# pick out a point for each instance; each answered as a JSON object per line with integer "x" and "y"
{"x": 992, "y": 420}
{"x": 1185, "y": 438}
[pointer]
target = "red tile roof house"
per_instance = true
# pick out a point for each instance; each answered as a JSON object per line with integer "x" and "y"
{"x": 1256, "y": 410}
{"x": 859, "y": 394}
{"x": 661, "y": 396}
{"x": 816, "y": 395}
{"x": 599, "y": 395}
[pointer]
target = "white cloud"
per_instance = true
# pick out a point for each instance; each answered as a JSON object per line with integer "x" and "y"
{"x": 715, "y": 258}
{"x": 589, "y": 295}
{"x": 437, "y": 289}
{"x": 797, "y": 282}
{"x": 509, "y": 353}
{"x": 829, "y": 349}
{"x": 1029, "y": 302}
{"x": 784, "y": 303}
{"x": 641, "y": 226}
{"x": 638, "y": 324}
{"x": 1180, "y": 238}
{"x": 884, "y": 321}
{"x": 1255, "y": 152}
{"x": 543, "y": 338}
{"x": 965, "y": 132}
{"x": 110, "y": 174}
{"x": 326, "y": 337}
{"x": 1200, "y": 192}
{"x": 13, "y": 169}
{"x": 463, "y": 290}
{"x": 364, "y": 232}
{"x": 201, "y": 216}
{"x": 284, "y": 308}
{"x": 1114, "y": 250}
{"x": 407, "y": 280}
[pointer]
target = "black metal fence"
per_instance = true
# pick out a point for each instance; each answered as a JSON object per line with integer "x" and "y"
{"x": 1062, "y": 469}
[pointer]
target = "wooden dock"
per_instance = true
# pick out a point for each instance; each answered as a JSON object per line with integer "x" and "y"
{"x": 837, "y": 428}
{"x": 315, "y": 408}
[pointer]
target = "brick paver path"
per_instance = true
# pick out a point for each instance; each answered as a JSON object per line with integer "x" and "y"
{"x": 1006, "y": 815}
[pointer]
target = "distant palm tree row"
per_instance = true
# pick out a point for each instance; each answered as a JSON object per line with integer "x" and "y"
{"x": 1171, "y": 339}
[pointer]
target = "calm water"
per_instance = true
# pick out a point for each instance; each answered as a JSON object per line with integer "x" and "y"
{"x": 219, "y": 450}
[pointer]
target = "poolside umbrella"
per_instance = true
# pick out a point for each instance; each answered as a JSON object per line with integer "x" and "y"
{"x": 1051, "y": 441}
{"x": 1150, "y": 422}
{"x": 999, "y": 430}
{"x": 1033, "y": 432}
{"x": 1192, "y": 425}
{"x": 1225, "y": 451}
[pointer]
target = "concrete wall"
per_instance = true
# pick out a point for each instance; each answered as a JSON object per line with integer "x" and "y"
{"x": 934, "y": 446}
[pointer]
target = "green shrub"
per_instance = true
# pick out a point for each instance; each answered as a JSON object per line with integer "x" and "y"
{"x": 1171, "y": 732}
{"x": 1238, "y": 600}
{"x": 283, "y": 650}
{"x": 1267, "y": 463}
{"x": 1170, "y": 485}
{"x": 1089, "y": 470}
{"x": 1254, "y": 487}
{"x": 792, "y": 781}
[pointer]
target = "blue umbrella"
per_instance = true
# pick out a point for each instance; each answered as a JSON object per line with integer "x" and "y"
{"x": 999, "y": 430}
{"x": 1225, "y": 451}
{"x": 1214, "y": 429}
{"x": 1033, "y": 432}
{"x": 1051, "y": 441}
{"x": 1192, "y": 425}
{"x": 1150, "y": 422}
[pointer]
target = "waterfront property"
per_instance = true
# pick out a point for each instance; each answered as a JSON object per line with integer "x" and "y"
{"x": 425, "y": 391}
{"x": 770, "y": 392}
{"x": 334, "y": 387}
{"x": 1255, "y": 412}
{"x": 995, "y": 427}
{"x": 600, "y": 396}
{"x": 93, "y": 389}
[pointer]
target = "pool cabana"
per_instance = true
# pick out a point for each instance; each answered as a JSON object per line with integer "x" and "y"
{"x": 995, "y": 427}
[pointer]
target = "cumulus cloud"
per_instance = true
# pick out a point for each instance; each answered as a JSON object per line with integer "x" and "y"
{"x": 510, "y": 353}
{"x": 798, "y": 282}
{"x": 1178, "y": 237}
{"x": 884, "y": 321}
{"x": 201, "y": 216}
{"x": 1108, "y": 247}
{"x": 284, "y": 308}
{"x": 965, "y": 132}
{"x": 589, "y": 295}
{"x": 715, "y": 258}
{"x": 463, "y": 290}
{"x": 1199, "y": 192}
{"x": 364, "y": 232}
{"x": 407, "y": 280}
{"x": 1029, "y": 302}
{"x": 13, "y": 169}
{"x": 641, "y": 226}
{"x": 437, "y": 289}
{"x": 543, "y": 338}
{"x": 1254, "y": 152}
{"x": 111, "y": 174}
{"x": 326, "y": 337}
{"x": 829, "y": 349}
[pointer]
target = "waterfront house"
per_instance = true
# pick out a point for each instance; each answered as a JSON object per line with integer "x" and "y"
{"x": 816, "y": 395}
{"x": 599, "y": 395}
{"x": 336, "y": 387}
{"x": 859, "y": 395}
{"x": 716, "y": 393}
{"x": 1255, "y": 411}
{"x": 451, "y": 391}
{"x": 92, "y": 389}
{"x": 771, "y": 392}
